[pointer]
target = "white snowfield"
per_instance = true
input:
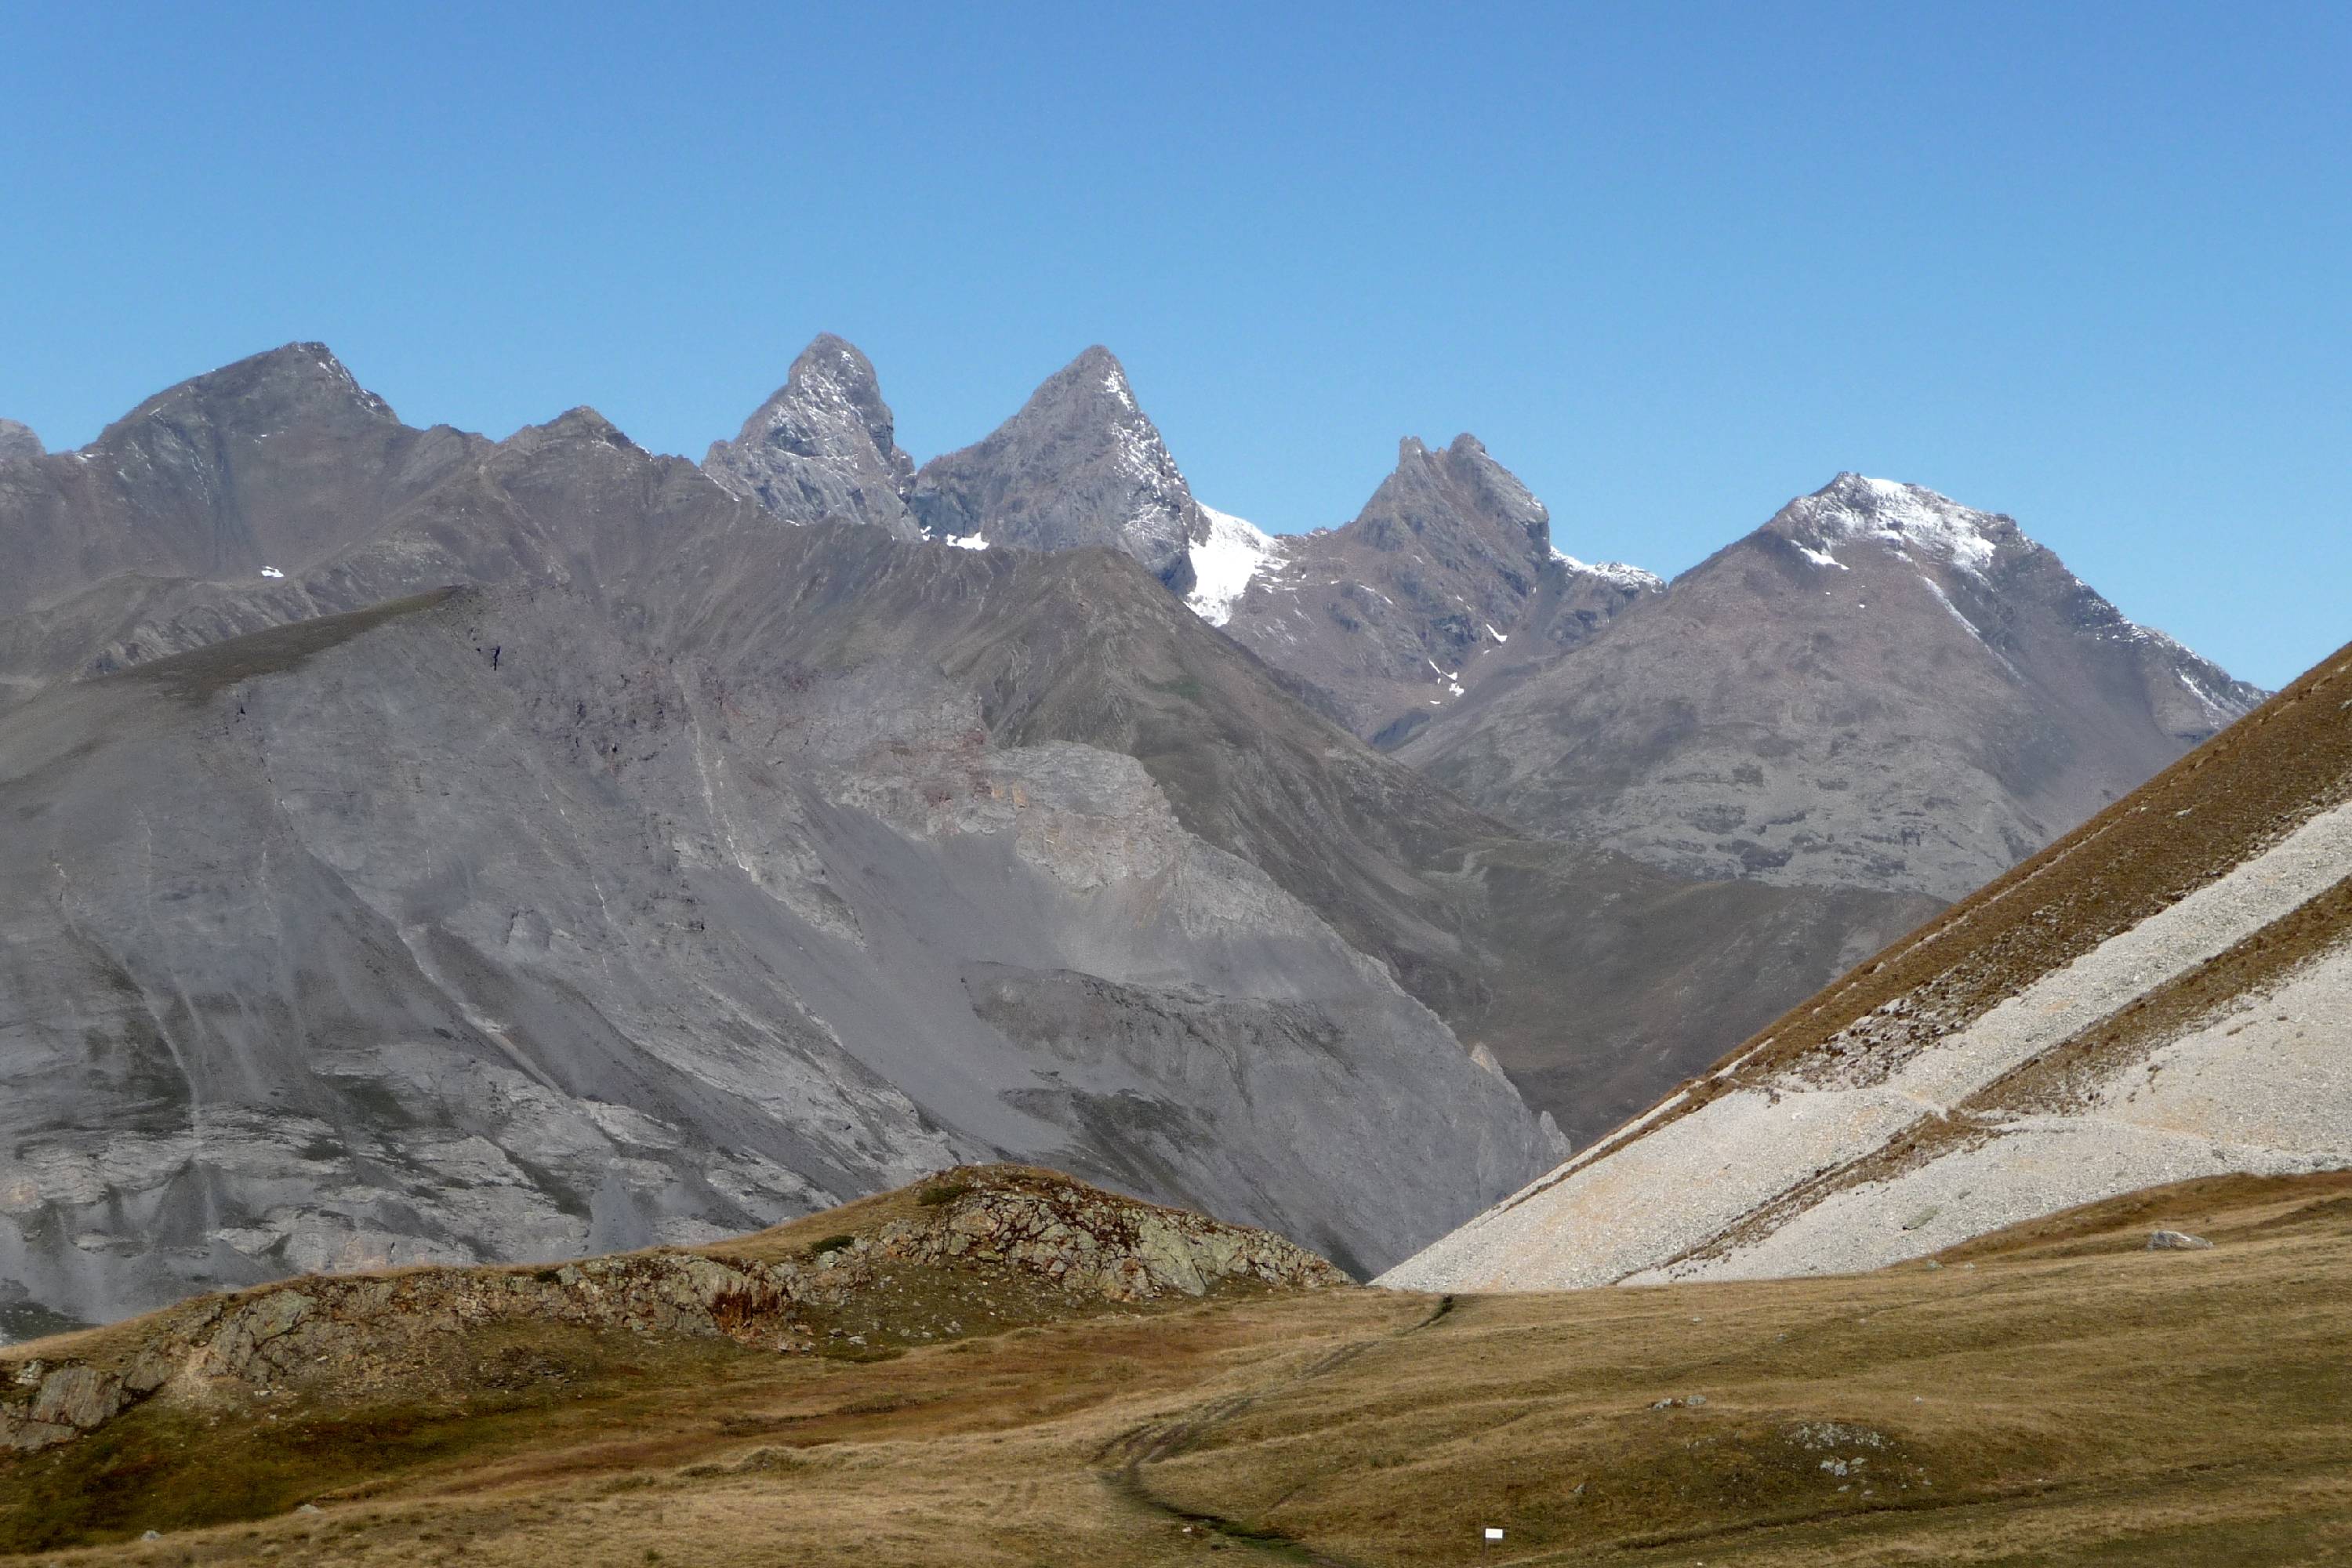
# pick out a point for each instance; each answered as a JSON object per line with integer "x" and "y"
{"x": 1763, "y": 1181}
{"x": 1226, "y": 563}
{"x": 1617, "y": 574}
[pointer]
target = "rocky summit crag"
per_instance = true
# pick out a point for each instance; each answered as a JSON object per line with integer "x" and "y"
{"x": 1080, "y": 464}
{"x": 1406, "y": 610}
{"x": 824, "y": 448}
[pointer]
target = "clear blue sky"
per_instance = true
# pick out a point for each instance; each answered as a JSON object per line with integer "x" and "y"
{"x": 2086, "y": 264}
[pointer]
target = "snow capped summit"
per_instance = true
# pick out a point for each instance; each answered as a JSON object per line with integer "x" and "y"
{"x": 1760, "y": 706}
{"x": 1909, "y": 517}
{"x": 1616, "y": 574}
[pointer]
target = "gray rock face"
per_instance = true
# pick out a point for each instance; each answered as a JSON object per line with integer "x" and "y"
{"x": 1880, "y": 687}
{"x": 1079, "y": 464}
{"x": 1445, "y": 579}
{"x": 19, "y": 441}
{"x": 1592, "y": 979}
{"x": 824, "y": 448}
{"x": 707, "y": 874}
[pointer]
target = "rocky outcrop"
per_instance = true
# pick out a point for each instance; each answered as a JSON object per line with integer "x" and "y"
{"x": 824, "y": 448}
{"x": 18, "y": 440}
{"x": 1085, "y": 1246}
{"x": 1080, "y": 464}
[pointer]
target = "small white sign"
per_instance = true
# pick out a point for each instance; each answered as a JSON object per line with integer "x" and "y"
{"x": 1494, "y": 1534}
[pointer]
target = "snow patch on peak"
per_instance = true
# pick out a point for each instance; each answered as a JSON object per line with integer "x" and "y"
{"x": 1226, "y": 563}
{"x": 1856, "y": 506}
{"x": 969, "y": 542}
{"x": 1616, "y": 574}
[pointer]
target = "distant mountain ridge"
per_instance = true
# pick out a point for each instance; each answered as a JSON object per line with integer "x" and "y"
{"x": 697, "y": 870}
{"x": 1878, "y": 687}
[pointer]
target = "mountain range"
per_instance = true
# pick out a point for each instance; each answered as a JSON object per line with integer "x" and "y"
{"x": 434, "y": 848}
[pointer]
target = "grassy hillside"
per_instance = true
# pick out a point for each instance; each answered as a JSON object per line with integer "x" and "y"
{"x": 2054, "y": 1394}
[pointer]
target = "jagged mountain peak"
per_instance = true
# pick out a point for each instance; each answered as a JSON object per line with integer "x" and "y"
{"x": 831, "y": 373}
{"x": 1095, "y": 374}
{"x": 1080, "y": 464}
{"x": 1446, "y": 575}
{"x": 824, "y": 447}
{"x": 18, "y": 440}
{"x": 1454, "y": 499}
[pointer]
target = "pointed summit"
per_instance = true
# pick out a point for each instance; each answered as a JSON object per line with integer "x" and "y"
{"x": 1445, "y": 579}
{"x": 19, "y": 441}
{"x": 1079, "y": 464}
{"x": 1460, "y": 507}
{"x": 824, "y": 448}
{"x": 298, "y": 386}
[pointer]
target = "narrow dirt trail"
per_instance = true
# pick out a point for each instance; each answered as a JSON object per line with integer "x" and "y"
{"x": 1157, "y": 1440}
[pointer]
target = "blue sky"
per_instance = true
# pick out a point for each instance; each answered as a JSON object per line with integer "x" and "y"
{"x": 2086, "y": 264}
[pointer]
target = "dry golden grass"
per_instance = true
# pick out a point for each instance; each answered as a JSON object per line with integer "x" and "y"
{"x": 2055, "y": 1394}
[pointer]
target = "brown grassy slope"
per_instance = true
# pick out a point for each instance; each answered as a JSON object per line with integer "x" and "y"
{"x": 2234, "y": 796}
{"x": 2054, "y": 1394}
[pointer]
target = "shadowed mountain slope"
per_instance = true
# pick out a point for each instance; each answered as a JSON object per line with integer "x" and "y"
{"x": 483, "y": 927}
{"x": 2160, "y": 995}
